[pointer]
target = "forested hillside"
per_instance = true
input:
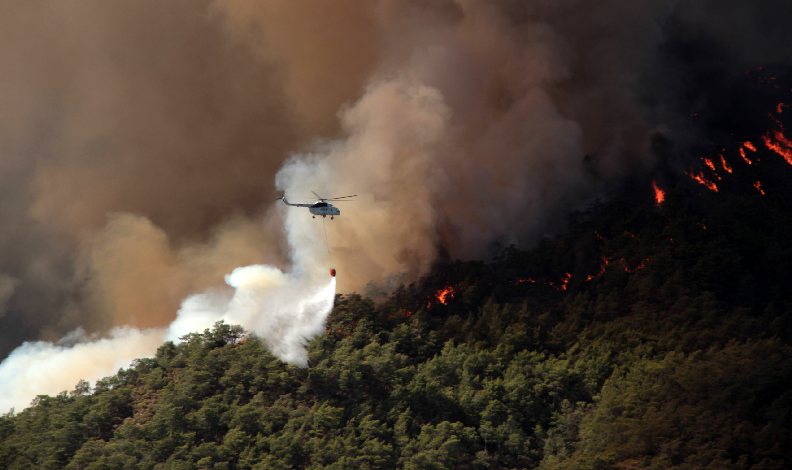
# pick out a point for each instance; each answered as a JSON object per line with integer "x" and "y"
{"x": 649, "y": 337}
{"x": 652, "y": 335}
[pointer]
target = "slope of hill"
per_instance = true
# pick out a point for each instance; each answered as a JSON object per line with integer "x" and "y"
{"x": 653, "y": 335}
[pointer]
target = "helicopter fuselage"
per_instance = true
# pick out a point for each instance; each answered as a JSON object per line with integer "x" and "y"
{"x": 318, "y": 208}
{"x": 324, "y": 209}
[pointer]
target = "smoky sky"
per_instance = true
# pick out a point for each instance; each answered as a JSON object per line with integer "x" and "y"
{"x": 140, "y": 140}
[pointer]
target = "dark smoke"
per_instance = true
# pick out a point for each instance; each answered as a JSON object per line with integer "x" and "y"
{"x": 140, "y": 139}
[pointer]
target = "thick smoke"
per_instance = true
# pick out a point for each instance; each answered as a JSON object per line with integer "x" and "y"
{"x": 284, "y": 310}
{"x": 44, "y": 368}
{"x": 142, "y": 141}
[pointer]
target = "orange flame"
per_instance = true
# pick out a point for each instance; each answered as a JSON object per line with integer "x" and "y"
{"x": 749, "y": 146}
{"x": 601, "y": 271}
{"x": 659, "y": 193}
{"x": 742, "y": 153}
{"x": 700, "y": 178}
{"x": 623, "y": 263}
{"x": 776, "y": 147}
{"x": 758, "y": 186}
{"x": 782, "y": 139}
{"x": 709, "y": 163}
{"x": 640, "y": 266}
{"x": 565, "y": 281}
{"x": 726, "y": 166}
{"x": 445, "y": 293}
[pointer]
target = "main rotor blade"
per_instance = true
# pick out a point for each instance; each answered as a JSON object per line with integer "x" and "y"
{"x": 320, "y": 197}
{"x": 342, "y": 197}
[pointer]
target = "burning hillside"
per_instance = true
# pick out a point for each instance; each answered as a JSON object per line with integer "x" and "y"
{"x": 140, "y": 139}
{"x": 661, "y": 303}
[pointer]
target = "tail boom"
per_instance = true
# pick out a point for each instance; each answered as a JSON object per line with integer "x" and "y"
{"x": 285, "y": 201}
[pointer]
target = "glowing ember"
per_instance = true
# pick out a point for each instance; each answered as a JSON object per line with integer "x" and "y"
{"x": 780, "y": 137}
{"x": 749, "y": 146}
{"x": 623, "y": 263}
{"x": 781, "y": 105}
{"x": 725, "y": 165}
{"x": 777, "y": 148}
{"x": 444, "y": 294}
{"x": 780, "y": 141}
{"x": 565, "y": 281}
{"x": 742, "y": 154}
{"x": 520, "y": 281}
{"x": 659, "y": 193}
{"x": 601, "y": 271}
{"x": 640, "y": 266}
{"x": 758, "y": 186}
{"x": 700, "y": 178}
{"x": 709, "y": 163}
{"x": 563, "y": 285}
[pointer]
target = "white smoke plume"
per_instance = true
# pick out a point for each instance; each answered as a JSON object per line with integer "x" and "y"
{"x": 44, "y": 368}
{"x": 285, "y": 311}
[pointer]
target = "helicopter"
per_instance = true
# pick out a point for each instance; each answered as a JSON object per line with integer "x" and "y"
{"x": 320, "y": 207}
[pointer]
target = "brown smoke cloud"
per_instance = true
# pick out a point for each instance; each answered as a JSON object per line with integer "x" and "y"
{"x": 146, "y": 108}
{"x": 141, "y": 139}
{"x": 325, "y": 51}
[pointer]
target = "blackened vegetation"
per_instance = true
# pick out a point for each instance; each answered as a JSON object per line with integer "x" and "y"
{"x": 648, "y": 337}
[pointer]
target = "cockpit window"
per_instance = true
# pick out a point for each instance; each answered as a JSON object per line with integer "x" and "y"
{"x": 320, "y": 204}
